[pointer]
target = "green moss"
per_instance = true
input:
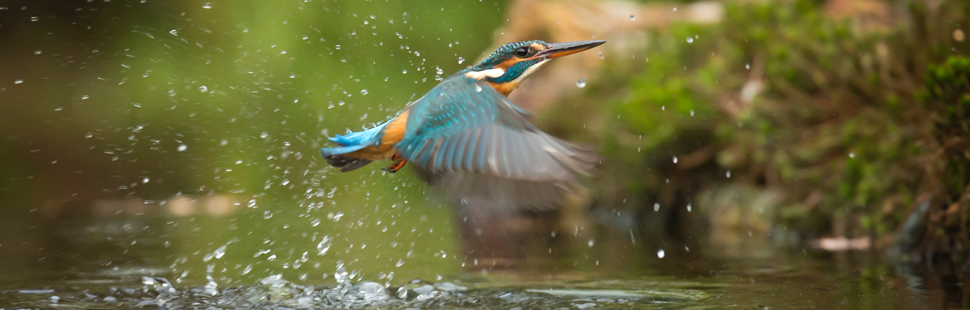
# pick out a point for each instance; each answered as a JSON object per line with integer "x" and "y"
{"x": 845, "y": 123}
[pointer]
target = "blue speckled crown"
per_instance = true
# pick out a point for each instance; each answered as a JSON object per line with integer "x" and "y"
{"x": 501, "y": 54}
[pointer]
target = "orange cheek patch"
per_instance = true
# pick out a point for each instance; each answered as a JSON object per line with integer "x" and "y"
{"x": 505, "y": 65}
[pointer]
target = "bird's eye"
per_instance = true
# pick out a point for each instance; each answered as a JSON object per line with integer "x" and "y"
{"x": 522, "y": 52}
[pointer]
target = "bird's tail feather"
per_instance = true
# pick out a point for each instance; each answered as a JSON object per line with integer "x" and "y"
{"x": 335, "y": 157}
{"x": 346, "y": 163}
{"x": 341, "y": 150}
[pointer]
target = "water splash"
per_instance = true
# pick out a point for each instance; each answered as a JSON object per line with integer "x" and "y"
{"x": 211, "y": 287}
{"x": 275, "y": 292}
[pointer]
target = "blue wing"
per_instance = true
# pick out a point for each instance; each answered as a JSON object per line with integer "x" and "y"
{"x": 478, "y": 137}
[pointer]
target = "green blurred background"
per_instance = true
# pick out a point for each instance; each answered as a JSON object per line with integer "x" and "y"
{"x": 209, "y": 115}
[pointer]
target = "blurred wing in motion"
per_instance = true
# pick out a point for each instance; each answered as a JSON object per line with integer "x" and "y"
{"x": 478, "y": 146}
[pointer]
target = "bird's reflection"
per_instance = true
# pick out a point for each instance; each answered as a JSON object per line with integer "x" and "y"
{"x": 518, "y": 241}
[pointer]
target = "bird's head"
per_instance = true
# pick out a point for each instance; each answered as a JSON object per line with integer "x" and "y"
{"x": 511, "y": 63}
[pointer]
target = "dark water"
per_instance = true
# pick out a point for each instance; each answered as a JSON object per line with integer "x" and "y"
{"x": 148, "y": 259}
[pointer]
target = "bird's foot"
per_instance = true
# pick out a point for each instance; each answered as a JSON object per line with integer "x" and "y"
{"x": 397, "y": 165}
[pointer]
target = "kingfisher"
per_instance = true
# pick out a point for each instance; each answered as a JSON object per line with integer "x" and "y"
{"x": 478, "y": 145}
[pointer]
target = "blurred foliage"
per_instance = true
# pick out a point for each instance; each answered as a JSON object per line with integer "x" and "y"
{"x": 947, "y": 97}
{"x": 848, "y": 119}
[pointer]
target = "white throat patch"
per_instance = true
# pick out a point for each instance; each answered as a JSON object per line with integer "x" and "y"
{"x": 492, "y": 73}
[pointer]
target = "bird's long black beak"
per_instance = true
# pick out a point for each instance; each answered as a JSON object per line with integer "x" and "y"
{"x": 568, "y": 48}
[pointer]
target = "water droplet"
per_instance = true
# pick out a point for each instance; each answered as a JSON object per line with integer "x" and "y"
{"x": 590, "y": 243}
{"x": 656, "y": 207}
{"x": 747, "y": 66}
{"x": 581, "y": 83}
{"x": 690, "y": 40}
{"x": 34, "y": 18}
{"x": 438, "y": 70}
{"x": 675, "y": 9}
{"x": 675, "y": 159}
{"x": 207, "y": 5}
{"x": 221, "y": 251}
{"x": 692, "y": 112}
{"x": 267, "y": 215}
{"x": 405, "y": 71}
{"x": 660, "y": 253}
{"x": 18, "y": 82}
{"x": 144, "y": 180}
{"x": 324, "y": 245}
{"x": 688, "y": 207}
{"x": 399, "y": 263}
{"x": 247, "y": 269}
{"x": 633, "y": 17}
{"x": 478, "y": 88}
{"x": 461, "y": 60}
{"x": 203, "y": 88}
{"x": 182, "y": 148}
{"x": 851, "y": 154}
{"x": 174, "y": 32}
{"x": 363, "y": 91}
{"x": 601, "y": 55}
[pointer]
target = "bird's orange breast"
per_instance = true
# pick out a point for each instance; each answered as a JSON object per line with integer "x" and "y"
{"x": 505, "y": 88}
